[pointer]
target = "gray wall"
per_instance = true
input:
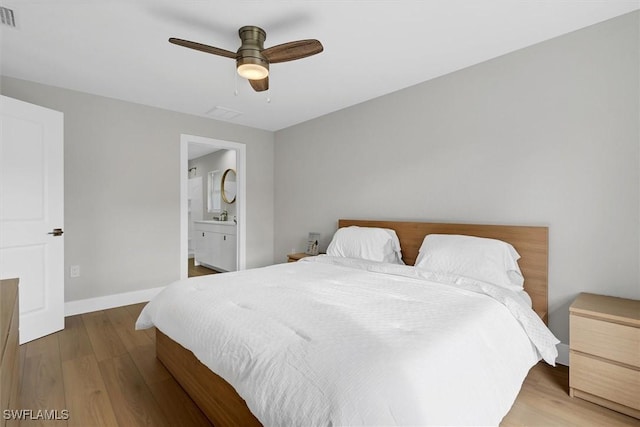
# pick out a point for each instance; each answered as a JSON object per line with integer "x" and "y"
{"x": 547, "y": 135}
{"x": 122, "y": 186}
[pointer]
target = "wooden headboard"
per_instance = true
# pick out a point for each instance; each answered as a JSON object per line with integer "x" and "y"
{"x": 532, "y": 243}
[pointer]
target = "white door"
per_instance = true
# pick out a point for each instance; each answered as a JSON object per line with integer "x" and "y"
{"x": 31, "y": 207}
{"x": 228, "y": 252}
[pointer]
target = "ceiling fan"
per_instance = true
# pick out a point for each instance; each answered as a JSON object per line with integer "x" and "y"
{"x": 252, "y": 59}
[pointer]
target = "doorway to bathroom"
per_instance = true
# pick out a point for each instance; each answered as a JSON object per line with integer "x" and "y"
{"x": 207, "y": 208}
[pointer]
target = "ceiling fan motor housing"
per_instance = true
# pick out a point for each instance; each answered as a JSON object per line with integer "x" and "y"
{"x": 250, "y": 52}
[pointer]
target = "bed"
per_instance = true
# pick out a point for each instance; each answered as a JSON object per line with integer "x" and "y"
{"x": 386, "y": 367}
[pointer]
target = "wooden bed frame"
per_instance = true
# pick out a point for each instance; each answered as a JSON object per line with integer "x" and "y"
{"x": 224, "y": 407}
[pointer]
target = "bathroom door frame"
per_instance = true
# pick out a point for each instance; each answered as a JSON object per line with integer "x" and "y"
{"x": 241, "y": 214}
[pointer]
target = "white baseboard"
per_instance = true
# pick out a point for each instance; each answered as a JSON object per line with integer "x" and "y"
{"x": 563, "y": 354}
{"x": 109, "y": 301}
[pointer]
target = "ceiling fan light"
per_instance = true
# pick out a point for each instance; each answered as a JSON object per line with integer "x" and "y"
{"x": 252, "y": 65}
{"x": 253, "y": 71}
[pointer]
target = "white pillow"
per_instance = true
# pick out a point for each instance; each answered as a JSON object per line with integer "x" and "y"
{"x": 370, "y": 243}
{"x": 488, "y": 260}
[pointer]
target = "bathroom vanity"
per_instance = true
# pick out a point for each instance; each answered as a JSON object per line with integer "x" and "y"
{"x": 215, "y": 244}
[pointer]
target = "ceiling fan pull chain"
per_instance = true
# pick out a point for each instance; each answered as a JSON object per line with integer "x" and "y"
{"x": 235, "y": 90}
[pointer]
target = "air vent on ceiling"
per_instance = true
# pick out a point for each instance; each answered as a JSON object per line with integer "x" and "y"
{"x": 223, "y": 113}
{"x": 7, "y": 17}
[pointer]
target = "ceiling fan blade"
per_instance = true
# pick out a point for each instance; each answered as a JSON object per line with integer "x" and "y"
{"x": 260, "y": 85}
{"x": 203, "y": 47}
{"x": 292, "y": 50}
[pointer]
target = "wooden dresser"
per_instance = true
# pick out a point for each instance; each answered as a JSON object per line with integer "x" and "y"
{"x": 10, "y": 361}
{"x": 604, "y": 354}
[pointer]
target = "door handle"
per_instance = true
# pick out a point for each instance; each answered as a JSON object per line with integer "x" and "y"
{"x": 56, "y": 232}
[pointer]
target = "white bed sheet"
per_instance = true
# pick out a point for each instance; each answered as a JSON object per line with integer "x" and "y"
{"x": 336, "y": 342}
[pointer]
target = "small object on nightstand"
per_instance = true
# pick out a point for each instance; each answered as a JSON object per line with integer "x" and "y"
{"x": 312, "y": 244}
{"x": 604, "y": 352}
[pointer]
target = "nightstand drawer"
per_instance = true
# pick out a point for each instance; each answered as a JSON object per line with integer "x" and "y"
{"x": 612, "y": 341}
{"x": 606, "y": 380}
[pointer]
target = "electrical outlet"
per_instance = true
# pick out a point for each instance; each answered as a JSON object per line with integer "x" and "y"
{"x": 74, "y": 271}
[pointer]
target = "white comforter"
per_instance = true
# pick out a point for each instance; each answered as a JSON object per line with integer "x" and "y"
{"x": 334, "y": 342}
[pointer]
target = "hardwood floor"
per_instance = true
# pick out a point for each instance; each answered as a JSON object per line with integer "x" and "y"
{"x": 106, "y": 374}
{"x": 198, "y": 270}
{"x": 544, "y": 401}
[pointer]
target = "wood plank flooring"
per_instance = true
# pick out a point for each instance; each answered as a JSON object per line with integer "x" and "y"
{"x": 198, "y": 270}
{"x": 106, "y": 374}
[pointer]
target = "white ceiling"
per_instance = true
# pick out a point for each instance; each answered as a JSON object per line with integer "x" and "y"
{"x": 119, "y": 48}
{"x": 196, "y": 150}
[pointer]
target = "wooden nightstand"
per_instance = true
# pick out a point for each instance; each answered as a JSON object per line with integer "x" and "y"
{"x": 296, "y": 257}
{"x": 604, "y": 354}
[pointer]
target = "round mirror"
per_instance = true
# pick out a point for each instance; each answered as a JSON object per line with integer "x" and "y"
{"x": 229, "y": 186}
